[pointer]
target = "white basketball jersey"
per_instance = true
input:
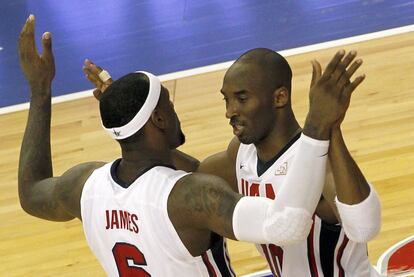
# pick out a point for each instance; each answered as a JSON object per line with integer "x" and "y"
{"x": 129, "y": 231}
{"x": 327, "y": 250}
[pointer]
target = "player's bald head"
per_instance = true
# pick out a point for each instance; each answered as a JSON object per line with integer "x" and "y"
{"x": 266, "y": 66}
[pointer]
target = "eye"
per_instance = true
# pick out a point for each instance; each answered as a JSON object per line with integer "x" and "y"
{"x": 242, "y": 98}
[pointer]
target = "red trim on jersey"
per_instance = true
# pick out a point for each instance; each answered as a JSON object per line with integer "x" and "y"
{"x": 341, "y": 272}
{"x": 226, "y": 256}
{"x": 272, "y": 263}
{"x": 311, "y": 251}
{"x": 209, "y": 266}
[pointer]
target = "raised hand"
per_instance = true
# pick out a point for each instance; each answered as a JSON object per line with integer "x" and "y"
{"x": 93, "y": 73}
{"x": 330, "y": 93}
{"x": 39, "y": 70}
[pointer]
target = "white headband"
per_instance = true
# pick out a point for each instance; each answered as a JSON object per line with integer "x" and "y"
{"x": 143, "y": 114}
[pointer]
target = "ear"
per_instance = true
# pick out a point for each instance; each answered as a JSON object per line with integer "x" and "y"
{"x": 280, "y": 97}
{"x": 158, "y": 119}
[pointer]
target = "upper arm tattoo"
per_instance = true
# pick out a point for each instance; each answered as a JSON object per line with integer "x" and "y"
{"x": 211, "y": 203}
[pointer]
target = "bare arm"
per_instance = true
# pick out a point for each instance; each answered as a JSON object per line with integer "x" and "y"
{"x": 204, "y": 201}
{"x": 40, "y": 193}
{"x": 351, "y": 186}
{"x": 223, "y": 164}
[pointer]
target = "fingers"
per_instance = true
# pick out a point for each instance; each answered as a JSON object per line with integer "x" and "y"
{"x": 94, "y": 69}
{"x": 352, "y": 86}
{"x": 92, "y": 77}
{"x": 349, "y": 58}
{"x": 47, "y": 52}
{"x": 27, "y": 46}
{"x": 316, "y": 72}
{"x": 93, "y": 73}
{"x": 346, "y": 76}
{"x": 333, "y": 64}
{"x": 340, "y": 70}
{"x": 354, "y": 67}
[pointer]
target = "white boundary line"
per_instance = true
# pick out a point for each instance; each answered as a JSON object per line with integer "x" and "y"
{"x": 383, "y": 260}
{"x": 225, "y": 65}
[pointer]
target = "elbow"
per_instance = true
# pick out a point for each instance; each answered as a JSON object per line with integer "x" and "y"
{"x": 25, "y": 202}
{"x": 26, "y": 207}
{"x": 362, "y": 221}
{"x": 288, "y": 227}
{"x": 362, "y": 234}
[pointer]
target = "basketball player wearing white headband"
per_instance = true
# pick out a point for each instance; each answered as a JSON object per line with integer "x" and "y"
{"x": 141, "y": 216}
{"x": 257, "y": 90}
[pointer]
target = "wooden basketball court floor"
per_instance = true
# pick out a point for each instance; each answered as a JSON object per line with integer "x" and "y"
{"x": 379, "y": 131}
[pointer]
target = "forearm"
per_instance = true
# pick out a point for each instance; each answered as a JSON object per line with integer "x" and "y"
{"x": 351, "y": 186}
{"x": 35, "y": 155}
{"x": 358, "y": 204}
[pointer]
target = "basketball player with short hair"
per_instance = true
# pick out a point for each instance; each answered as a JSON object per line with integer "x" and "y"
{"x": 141, "y": 216}
{"x": 257, "y": 91}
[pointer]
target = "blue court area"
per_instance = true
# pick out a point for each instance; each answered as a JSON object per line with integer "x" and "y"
{"x": 164, "y": 36}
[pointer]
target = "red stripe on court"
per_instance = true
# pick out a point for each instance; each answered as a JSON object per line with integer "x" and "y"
{"x": 402, "y": 259}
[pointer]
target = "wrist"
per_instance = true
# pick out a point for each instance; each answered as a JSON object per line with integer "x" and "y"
{"x": 336, "y": 131}
{"x": 40, "y": 93}
{"x": 316, "y": 130}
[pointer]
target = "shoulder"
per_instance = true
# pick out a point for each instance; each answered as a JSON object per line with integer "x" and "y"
{"x": 70, "y": 185}
{"x": 233, "y": 148}
{"x": 80, "y": 173}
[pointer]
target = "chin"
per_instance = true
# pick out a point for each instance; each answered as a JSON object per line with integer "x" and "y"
{"x": 245, "y": 139}
{"x": 180, "y": 140}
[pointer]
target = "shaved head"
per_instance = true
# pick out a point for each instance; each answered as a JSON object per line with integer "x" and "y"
{"x": 257, "y": 90}
{"x": 267, "y": 65}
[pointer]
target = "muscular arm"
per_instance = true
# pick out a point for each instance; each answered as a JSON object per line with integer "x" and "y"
{"x": 40, "y": 193}
{"x": 35, "y": 164}
{"x": 204, "y": 201}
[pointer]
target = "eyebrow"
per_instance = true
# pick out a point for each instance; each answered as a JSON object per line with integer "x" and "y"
{"x": 243, "y": 91}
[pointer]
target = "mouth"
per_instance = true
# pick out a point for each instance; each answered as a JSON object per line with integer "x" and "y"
{"x": 237, "y": 129}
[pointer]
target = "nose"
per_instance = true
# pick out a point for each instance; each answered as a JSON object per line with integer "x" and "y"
{"x": 231, "y": 109}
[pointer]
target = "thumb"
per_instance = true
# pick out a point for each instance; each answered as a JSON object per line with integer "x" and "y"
{"x": 316, "y": 72}
{"x": 47, "y": 53}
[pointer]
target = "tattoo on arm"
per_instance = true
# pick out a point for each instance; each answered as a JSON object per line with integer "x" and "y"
{"x": 212, "y": 203}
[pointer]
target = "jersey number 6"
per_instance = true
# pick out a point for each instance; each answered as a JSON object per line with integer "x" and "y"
{"x": 124, "y": 254}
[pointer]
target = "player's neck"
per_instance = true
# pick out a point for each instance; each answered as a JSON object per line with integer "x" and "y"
{"x": 278, "y": 138}
{"x": 136, "y": 162}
